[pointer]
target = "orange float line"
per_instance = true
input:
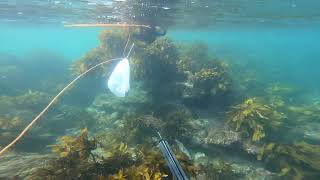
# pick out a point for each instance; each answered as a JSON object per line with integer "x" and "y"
{"x": 28, "y": 127}
{"x": 107, "y": 25}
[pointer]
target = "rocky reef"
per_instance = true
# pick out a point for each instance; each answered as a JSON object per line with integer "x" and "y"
{"x": 206, "y": 79}
{"x": 220, "y": 125}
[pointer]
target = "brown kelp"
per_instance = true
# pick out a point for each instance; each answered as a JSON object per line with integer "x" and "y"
{"x": 78, "y": 157}
{"x": 204, "y": 77}
{"x": 111, "y": 45}
{"x": 9, "y": 127}
{"x": 220, "y": 170}
{"x": 155, "y": 66}
{"x": 170, "y": 86}
{"x": 72, "y": 158}
{"x": 254, "y": 118}
{"x": 296, "y": 161}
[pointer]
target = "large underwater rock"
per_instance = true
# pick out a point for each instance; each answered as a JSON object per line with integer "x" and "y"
{"x": 218, "y": 168}
{"x": 211, "y": 132}
{"x": 110, "y": 110}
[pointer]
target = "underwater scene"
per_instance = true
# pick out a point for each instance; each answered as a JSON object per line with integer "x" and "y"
{"x": 160, "y": 89}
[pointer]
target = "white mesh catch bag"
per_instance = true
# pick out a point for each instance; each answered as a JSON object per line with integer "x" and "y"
{"x": 119, "y": 80}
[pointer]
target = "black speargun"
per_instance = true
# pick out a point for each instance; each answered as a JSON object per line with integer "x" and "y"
{"x": 171, "y": 160}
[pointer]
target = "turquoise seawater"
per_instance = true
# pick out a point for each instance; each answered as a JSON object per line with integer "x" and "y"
{"x": 291, "y": 50}
{"x": 232, "y": 86}
{"x": 69, "y": 43}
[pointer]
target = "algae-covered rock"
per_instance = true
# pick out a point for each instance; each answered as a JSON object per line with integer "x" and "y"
{"x": 31, "y": 101}
{"x": 223, "y": 136}
{"x": 72, "y": 158}
{"x": 155, "y": 66}
{"x": 205, "y": 78}
{"x": 213, "y": 133}
{"x": 298, "y": 161}
{"x": 136, "y": 98}
{"x": 193, "y": 57}
{"x": 112, "y": 44}
{"x": 9, "y": 128}
{"x": 21, "y": 165}
{"x": 78, "y": 157}
{"x": 171, "y": 120}
{"x": 107, "y": 109}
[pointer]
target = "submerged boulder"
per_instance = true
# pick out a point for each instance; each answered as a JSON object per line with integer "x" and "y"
{"x": 216, "y": 133}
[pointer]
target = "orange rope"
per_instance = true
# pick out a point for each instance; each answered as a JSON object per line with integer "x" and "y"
{"x": 50, "y": 103}
{"x": 107, "y": 25}
{"x": 125, "y": 48}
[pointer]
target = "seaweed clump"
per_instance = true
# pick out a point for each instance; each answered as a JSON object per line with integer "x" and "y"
{"x": 20, "y": 107}
{"x": 84, "y": 158}
{"x": 74, "y": 147}
{"x": 141, "y": 129}
{"x": 172, "y": 120}
{"x": 111, "y": 46}
{"x": 9, "y": 127}
{"x": 220, "y": 170}
{"x": 155, "y": 65}
{"x": 254, "y": 118}
{"x": 150, "y": 168}
{"x": 175, "y": 124}
{"x": 193, "y": 57}
{"x": 10, "y": 124}
{"x": 72, "y": 158}
{"x": 297, "y": 161}
{"x": 210, "y": 81}
{"x": 204, "y": 77}
{"x": 280, "y": 89}
{"x": 304, "y": 113}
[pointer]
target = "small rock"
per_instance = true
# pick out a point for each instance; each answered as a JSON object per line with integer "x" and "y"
{"x": 198, "y": 155}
